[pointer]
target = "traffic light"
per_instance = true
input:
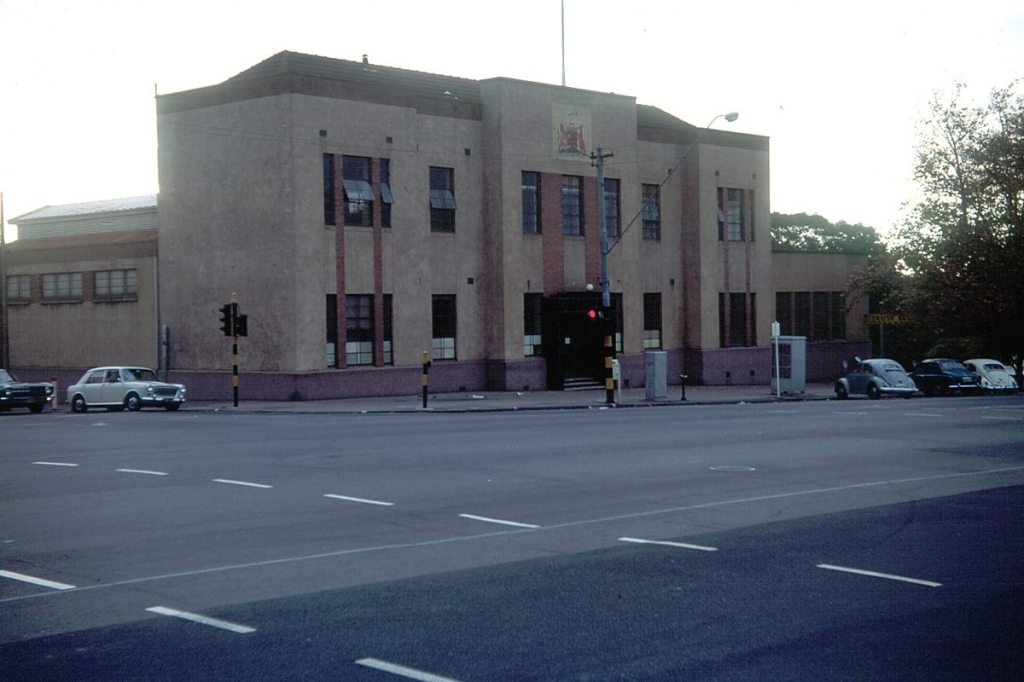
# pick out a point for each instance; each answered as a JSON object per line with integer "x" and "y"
{"x": 592, "y": 314}
{"x": 225, "y": 318}
{"x": 241, "y": 325}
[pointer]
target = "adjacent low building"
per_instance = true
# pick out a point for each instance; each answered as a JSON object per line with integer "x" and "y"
{"x": 365, "y": 215}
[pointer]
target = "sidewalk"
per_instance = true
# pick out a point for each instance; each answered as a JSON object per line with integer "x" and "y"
{"x": 511, "y": 401}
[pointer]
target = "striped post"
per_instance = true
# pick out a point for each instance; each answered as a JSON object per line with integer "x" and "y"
{"x": 426, "y": 374}
{"x": 234, "y": 349}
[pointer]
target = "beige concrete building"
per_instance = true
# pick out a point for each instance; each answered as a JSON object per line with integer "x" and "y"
{"x": 365, "y": 214}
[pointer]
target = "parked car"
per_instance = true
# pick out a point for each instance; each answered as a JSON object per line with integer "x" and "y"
{"x": 995, "y": 376}
{"x": 939, "y": 376}
{"x": 118, "y": 388}
{"x": 874, "y": 378}
{"x": 14, "y": 393}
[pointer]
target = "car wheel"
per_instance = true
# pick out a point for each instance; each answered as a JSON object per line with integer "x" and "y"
{"x": 171, "y": 407}
{"x": 78, "y": 404}
{"x": 841, "y": 392}
{"x": 133, "y": 402}
{"x": 36, "y": 409}
{"x": 873, "y": 392}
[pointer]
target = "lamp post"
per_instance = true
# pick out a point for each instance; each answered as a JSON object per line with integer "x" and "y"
{"x": 598, "y": 160}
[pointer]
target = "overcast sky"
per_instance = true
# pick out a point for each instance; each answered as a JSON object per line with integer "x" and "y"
{"x": 838, "y": 87}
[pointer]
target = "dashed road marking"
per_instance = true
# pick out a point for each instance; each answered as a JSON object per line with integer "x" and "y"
{"x": 874, "y": 574}
{"x": 245, "y": 483}
{"x": 143, "y": 471}
{"x": 56, "y": 464}
{"x": 204, "y": 620}
{"x": 402, "y": 671}
{"x": 359, "y": 499}
{"x": 36, "y": 581}
{"x": 486, "y": 519}
{"x": 666, "y": 543}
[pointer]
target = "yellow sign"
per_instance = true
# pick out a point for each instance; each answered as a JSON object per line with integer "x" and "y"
{"x": 880, "y": 318}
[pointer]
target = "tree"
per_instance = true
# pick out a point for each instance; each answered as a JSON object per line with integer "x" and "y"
{"x": 803, "y": 232}
{"x": 959, "y": 255}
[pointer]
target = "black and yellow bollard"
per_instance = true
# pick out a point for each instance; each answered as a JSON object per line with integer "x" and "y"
{"x": 426, "y": 375}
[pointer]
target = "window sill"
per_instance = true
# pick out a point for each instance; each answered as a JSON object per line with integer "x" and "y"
{"x": 60, "y": 301}
{"x": 128, "y": 298}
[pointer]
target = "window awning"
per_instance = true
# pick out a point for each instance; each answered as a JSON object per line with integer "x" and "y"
{"x": 358, "y": 190}
{"x": 442, "y": 198}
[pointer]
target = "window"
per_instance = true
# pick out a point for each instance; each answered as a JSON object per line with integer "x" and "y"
{"x": 389, "y": 353}
{"x": 733, "y": 217}
{"x": 62, "y": 287}
{"x": 617, "y": 313}
{"x": 838, "y": 315}
{"x": 329, "y": 218}
{"x": 385, "y": 193}
{"x": 820, "y": 315}
{"x": 443, "y": 334}
{"x": 612, "y": 212}
{"x": 531, "y": 202}
{"x": 652, "y": 320}
{"x": 802, "y": 313}
{"x": 355, "y": 180}
{"x": 116, "y": 285}
{"x": 19, "y": 288}
{"x": 532, "y": 324}
{"x": 651, "y": 212}
{"x": 572, "y": 204}
{"x": 332, "y": 330}
{"x": 740, "y": 327}
{"x": 442, "y": 199}
{"x": 359, "y": 329}
{"x": 784, "y": 312}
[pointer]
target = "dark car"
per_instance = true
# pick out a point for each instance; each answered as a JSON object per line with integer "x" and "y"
{"x": 14, "y": 393}
{"x": 940, "y": 376}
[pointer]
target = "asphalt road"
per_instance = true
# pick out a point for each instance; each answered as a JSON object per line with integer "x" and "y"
{"x": 820, "y": 540}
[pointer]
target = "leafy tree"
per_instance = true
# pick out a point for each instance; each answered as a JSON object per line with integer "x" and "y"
{"x": 803, "y": 232}
{"x": 958, "y": 255}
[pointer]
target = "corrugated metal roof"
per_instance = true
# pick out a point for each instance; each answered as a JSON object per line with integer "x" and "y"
{"x": 80, "y": 240}
{"x": 88, "y": 208}
{"x": 428, "y": 84}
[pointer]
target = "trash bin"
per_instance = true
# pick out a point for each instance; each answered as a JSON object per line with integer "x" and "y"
{"x": 656, "y": 375}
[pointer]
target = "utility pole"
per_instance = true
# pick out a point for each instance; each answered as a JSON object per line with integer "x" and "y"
{"x": 5, "y": 349}
{"x": 597, "y": 159}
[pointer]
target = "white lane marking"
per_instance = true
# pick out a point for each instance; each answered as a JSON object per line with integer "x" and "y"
{"x": 873, "y": 574}
{"x": 246, "y": 483}
{"x": 56, "y": 464}
{"x": 359, "y": 499}
{"x": 922, "y": 414}
{"x": 669, "y": 544}
{"x": 355, "y": 551}
{"x": 1005, "y": 419}
{"x": 205, "y": 620}
{"x": 36, "y": 581}
{"x": 402, "y": 671}
{"x": 502, "y": 522}
{"x": 859, "y": 414}
{"x": 143, "y": 471}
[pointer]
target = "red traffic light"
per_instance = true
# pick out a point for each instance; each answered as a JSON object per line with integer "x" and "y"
{"x": 592, "y": 314}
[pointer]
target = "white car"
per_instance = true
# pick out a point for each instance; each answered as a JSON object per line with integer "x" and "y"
{"x": 117, "y": 388}
{"x": 995, "y": 376}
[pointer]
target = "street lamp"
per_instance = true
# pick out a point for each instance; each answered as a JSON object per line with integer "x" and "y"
{"x": 598, "y": 158}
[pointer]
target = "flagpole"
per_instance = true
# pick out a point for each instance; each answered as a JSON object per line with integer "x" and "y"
{"x": 563, "y": 43}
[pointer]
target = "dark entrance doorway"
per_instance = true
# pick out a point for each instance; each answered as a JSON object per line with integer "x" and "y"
{"x": 573, "y": 338}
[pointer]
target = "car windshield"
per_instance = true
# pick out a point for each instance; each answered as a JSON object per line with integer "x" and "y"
{"x": 951, "y": 365}
{"x": 136, "y": 374}
{"x": 5, "y": 376}
{"x": 892, "y": 367}
{"x": 994, "y": 367}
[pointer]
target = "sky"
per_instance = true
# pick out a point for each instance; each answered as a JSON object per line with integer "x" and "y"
{"x": 839, "y": 88}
